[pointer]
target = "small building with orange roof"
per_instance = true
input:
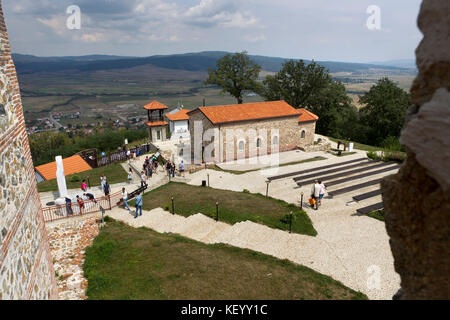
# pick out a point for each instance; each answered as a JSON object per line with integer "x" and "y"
{"x": 179, "y": 123}
{"x": 74, "y": 164}
{"x": 248, "y": 130}
{"x": 156, "y": 123}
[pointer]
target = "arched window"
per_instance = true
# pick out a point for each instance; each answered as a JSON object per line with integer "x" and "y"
{"x": 303, "y": 134}
{"x": 180, "y": 153}
{"x": 258, "y": 143}
{"x": 275, "y": 140}
{"x": 241, "y": 145}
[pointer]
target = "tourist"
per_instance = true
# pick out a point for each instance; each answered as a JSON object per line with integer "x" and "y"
{"x": 182, "y": 168}
{"x": 69, "y": 206}
{"x": 143, "y": 178}
{"x": 149, "y": 170}
{"x": 138, "y": 205}
{"x": 156, "y": 166}
{"x": 172, "y": 169}
{"x": 102, "y": 181}
{"x": 84, "y": 186}
{"x": 90, "y": 196}
{"x": 322, "y": 192}
{"x": 130, "y": 175}
{"x": 168, "y": 168}
{"x": 106, "y": 188}
{"x": 125, "y": 198}
{"x": 315, "y": 193}
{"x": 80, "y": 204}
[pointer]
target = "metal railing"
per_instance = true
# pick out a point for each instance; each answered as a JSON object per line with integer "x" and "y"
{"x": 73, "y": 209}
{"x": 122, "y": 155}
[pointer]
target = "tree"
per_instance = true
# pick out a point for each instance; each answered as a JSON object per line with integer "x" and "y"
{"x": 297, "y": 83}
{"x": 338, "y": 118}
{"x": 384, "y": 111}
{"x": 236, "y": 73}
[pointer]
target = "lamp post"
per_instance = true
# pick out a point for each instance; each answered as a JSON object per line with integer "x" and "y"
{"x": 301, "y": 202}
{"x": 173, "y": 208}
{"x": 267, "y": 189}
{"x": 217, "y": 211}
{"x": 290, "y": 222}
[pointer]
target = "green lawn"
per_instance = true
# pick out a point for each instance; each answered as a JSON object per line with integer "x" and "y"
{"x": 125, "y": 263}
{"x": 233, "y": 206}
{"x": 217, "y": 168}
{"x": 379, "y": 215}
{"x": 114, "y": 174}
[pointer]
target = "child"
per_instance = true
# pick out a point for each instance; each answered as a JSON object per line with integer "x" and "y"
{"x": 130, "y": 176}
{"x": 84, "y": 186}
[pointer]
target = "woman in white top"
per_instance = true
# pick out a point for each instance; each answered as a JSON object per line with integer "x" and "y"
{"x": 125, "y": 198}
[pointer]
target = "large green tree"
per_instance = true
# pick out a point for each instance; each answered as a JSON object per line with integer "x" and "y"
{"x": 236, "y": 73}
{"x": 297, "y": 83}
{"x": 384, "y": 111}
{"x": 338, "y": 118}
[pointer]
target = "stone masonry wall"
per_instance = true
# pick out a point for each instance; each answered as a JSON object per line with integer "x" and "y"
{"x": 417, "y": 198}
{"x": 26, "y": 267}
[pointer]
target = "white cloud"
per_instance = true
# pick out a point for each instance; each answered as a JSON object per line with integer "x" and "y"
{"x": 255, "y": 38}
{"x": 222, "y": 13}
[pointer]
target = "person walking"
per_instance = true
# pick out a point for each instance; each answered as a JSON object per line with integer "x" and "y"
{"x": 102, "y": 181}
{"x": 138, "y": 205}
{"x": 107, "y": 189}
{"x": 315, "y": 193}
{"x": 84, "y": 186}
{"x": 322, "y": 192}
{"x": 143, "y": 178}
{"x": 182, "y": 168}
{"x": 130, "y": 175}
{"x": 125, "y": 198}
{"x": 172, "y": 169}
{"x": 168, "y": 168}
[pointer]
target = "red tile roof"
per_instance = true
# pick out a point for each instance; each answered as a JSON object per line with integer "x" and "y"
{"x": 306, "y": 115}
{"x": 155, "y": 105}
{"x": 157, "y": 123}
{"x": 248, "y": 111}
{"x": 74, "y": 164}
{"x": 180, "y": 115}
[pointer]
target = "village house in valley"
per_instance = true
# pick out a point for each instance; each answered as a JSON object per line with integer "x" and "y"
{"x": 258, "y": 128}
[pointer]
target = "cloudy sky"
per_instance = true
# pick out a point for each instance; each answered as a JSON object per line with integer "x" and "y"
{"x": 310, "y": 29}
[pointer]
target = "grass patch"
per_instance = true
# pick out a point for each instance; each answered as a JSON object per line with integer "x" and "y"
{"x": 114, "y": 174}
{"x": 217, "y": 168}
{"x": 233, "y": 206}
{"x": 379, "y": 215}
{"x": 396, "y": 156}
{"x": 124, "y": 263}
{"x": 357, "y": 145}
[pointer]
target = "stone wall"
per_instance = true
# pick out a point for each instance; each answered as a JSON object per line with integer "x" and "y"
{"x": 287, "y": 129}
{"x": 417, "y": 199}
{"x": 26, "y": 267}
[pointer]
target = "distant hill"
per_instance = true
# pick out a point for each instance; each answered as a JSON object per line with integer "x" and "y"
{"x": 401, "y": 63}
{"x": 201, "y": 61}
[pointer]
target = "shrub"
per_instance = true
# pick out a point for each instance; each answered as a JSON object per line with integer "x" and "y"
{"x": 245, "y": 191}
{"x": 75, "y": 178}
{"x": 392, "y": 144}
